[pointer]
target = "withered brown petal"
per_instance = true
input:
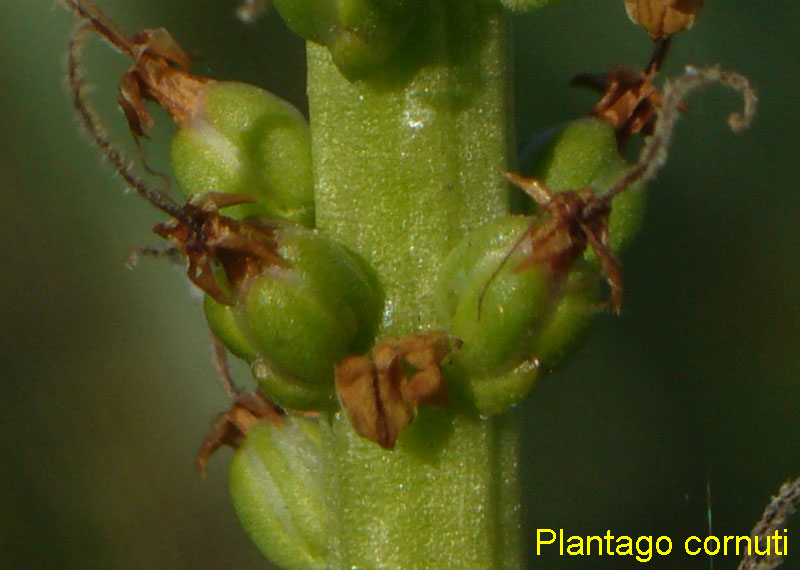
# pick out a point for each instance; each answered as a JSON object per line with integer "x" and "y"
{"x": 425, "y": 350}
{"x": 662, "y": 18}
{"x": 629, "y": 103}
{"x": 206, "y": 238}
{"x": 381, "y": 395}
{"x": 131, "y": 102}
{"x": 230, "y": 427}
{"x": 372, "y": 400}
{"x": 385, "y": 353}
{"x": 159, "y": 43}
{"x": 426, "y": 387}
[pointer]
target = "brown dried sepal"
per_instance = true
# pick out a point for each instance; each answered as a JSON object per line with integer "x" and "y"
{"x": 160, "y": 73}
{"x": 575, "y": 220}
{"x": 630, "y": 100}
{"x": 230, "y": 428}
{"x": 242, "y": 248}
{"x": 663, "y": 18}
{"x": 160, "y": 70}
{"x": 381, "y": 395}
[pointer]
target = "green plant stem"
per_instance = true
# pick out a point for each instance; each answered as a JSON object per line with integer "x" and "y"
{"x": 405, "y": 163}
{"x": 446, "y": 498}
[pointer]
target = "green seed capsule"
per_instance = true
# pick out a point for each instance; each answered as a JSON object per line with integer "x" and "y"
{"x": 512, "y": 321}
{"x": 242, "y": 139}
{"x": 496, "y": 313}
{"x": 570, "y": 322}
{"x": 571, "y": 155}
{"x": 222, "y": 322}
{"x": 360, "y": 34}
{"x": 491, "y": 311}
{"x": 521, "y": 292}
{"x": 277, "y": 488}
{"x": 294, "y": 323}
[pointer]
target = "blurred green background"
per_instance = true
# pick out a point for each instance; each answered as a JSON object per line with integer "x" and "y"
{"x": 106, "y": 386}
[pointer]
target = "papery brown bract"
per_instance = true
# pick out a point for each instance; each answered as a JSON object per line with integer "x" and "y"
{"x": 381, "y": 394}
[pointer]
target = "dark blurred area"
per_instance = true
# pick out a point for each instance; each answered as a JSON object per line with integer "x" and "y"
{"x": 107, "y": 387}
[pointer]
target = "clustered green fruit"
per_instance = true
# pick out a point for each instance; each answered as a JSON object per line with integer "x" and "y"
{"x": 409, "y": 140}
{"x": 294, "y": 323}
{"x": 296, "y": 320}
{"x": 514, "y": 323}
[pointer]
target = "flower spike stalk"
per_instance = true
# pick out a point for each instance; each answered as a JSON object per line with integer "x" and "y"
{"x": 404, "y": 165}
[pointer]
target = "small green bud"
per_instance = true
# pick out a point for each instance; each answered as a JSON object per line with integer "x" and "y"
{"x": 360, "y": 34}
{"x": 293, "y": 323}
{"x": 243, "y": 140}
{"x": 277, "y": 486}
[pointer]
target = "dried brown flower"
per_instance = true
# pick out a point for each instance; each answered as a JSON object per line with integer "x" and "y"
{"x": 663, "y": 18}
{"x": 575, "y": 220}
{"x": 160, "y": 70}
{"x": 230, "y": 427}
{"x": 204, "y": 236}
{"x": 381, "y": 395}
{"x": 630, "y": 100}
